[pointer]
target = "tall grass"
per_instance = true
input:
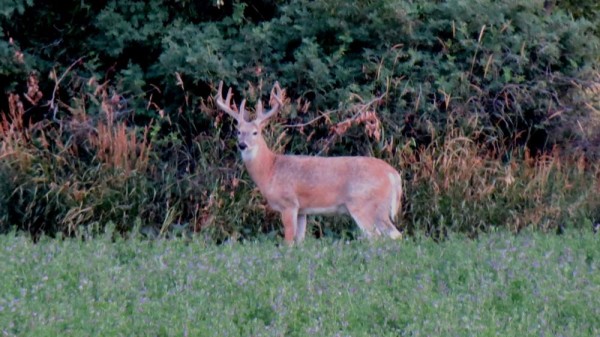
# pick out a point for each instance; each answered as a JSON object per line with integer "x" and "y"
{"x": 460, "y": 185}
{"x": 74, "y": 172}
{"x": 95, "y": 166}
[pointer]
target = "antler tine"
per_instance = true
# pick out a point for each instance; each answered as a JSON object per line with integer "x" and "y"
{"x": 243, "y": 111}
{"x": 226, "y": 105}
{"x": 277, "y": 95}
{"x": 259, "y": 108}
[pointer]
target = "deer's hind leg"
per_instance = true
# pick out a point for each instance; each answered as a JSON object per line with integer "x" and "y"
{"x": 387, "y": 227}
{"x": 300, "y": 227}
{"x": 365, "y": 218}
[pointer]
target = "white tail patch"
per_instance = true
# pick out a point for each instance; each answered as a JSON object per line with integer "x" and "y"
{"x": 394, "y": 198}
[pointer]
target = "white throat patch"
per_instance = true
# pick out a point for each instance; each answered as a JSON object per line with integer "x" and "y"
{"x": 248, "y": 155}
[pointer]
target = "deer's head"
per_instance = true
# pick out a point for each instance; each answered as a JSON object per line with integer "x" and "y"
{"x": 249, "y": 133}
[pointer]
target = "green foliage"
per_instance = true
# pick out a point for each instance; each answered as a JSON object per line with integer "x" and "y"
{"x": 9, "y": 7}
{"x": 500, "y": 284}
{"x": 416, "y": 52}
{"x": 589, "y": 9}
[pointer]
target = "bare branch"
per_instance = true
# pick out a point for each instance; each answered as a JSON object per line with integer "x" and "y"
{"x": 301, "y": 125}
{"x": 53, "y": 105}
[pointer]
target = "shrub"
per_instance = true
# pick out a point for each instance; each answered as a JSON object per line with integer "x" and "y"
{"x": 511, "y": 65}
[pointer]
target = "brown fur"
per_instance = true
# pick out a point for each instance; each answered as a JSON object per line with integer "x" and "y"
{"x": 367, "y": 188}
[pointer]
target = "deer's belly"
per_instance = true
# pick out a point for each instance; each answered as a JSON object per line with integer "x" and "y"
{"x": 340, "y": 209}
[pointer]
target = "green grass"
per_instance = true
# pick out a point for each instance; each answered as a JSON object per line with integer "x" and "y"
{"x": 498, "y": 285}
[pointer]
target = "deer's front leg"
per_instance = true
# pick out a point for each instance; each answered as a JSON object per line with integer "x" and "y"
{"x": 289, "y": 217}
{"x": 300, "y": 228}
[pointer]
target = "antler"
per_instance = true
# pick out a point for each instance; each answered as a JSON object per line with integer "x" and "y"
{"x": 225, "y": 105}
{"x": 276, "y": 102}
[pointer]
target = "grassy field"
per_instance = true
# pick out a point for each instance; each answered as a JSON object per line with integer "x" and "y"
{"x": 498, "y": 285}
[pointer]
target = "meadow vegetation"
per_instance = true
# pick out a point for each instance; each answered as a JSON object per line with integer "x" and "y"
{"x": 499, "y": 284}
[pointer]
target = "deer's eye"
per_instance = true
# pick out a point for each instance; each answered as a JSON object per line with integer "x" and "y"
{"x": 239, "y": 133}
{"x": 255, "y": 133}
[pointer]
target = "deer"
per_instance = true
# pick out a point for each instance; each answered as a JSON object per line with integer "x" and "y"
{"x": 366, "y": 188}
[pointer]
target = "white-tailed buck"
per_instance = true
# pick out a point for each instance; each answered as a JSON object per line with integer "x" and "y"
{"x": 367, "y": 188}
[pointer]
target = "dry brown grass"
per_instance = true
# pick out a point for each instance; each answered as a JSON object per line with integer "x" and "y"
{"x": 88, "y": 170}
{"x": 461, "y": 185}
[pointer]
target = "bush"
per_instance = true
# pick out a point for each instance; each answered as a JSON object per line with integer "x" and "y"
{"x": 509, "y": 64}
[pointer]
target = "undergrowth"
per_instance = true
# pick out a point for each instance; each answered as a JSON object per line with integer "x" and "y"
{"x": 489, "y": 110}
{"x": 60, "y": 176}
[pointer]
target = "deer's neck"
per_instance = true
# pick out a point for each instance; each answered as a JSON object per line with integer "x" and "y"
{"x": 260, "y": 165}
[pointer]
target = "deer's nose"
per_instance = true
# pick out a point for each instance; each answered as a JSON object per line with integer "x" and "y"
{"x": 242, "y": 146}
